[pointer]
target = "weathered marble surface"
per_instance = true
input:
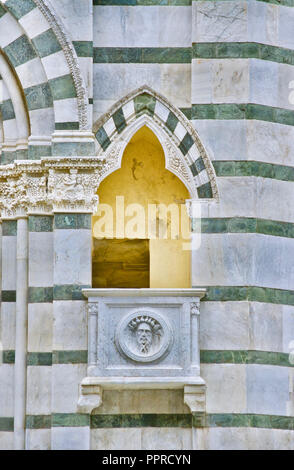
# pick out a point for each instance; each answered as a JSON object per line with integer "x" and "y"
{"x": 142, "y": 27}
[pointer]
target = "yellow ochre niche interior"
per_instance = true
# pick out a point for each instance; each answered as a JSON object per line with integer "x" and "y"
{"x": 140, "y": 260}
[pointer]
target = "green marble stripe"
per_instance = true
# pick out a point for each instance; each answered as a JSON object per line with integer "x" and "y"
{"x": 7, "y": 157}
{"x": 232, "y": 420}
{"x": 48, "y": 358}
{"x": 40, "y": 223}
{"x": 38, "y": 421}
{"x": 253, "y": 168}
{"x": 20, "y": 51}
{"x": 72, "y": 221}
{"x": 8, "y": 296}
{"x": 40, "y": 295}
{"x": 143, "y": 55}
{"x": 141, "y": 420}
{"x": 144, "y": 3}
{"x": 10, "y": 157}
{"x": 186, "y": 144}
{"x": 66, "y": 126}
{"x": 8, "y": 356}
{"x": 46, "y": 43}
{"x": 2, "y": 11}
{"x": 248, "y": 293}
{"x": 119, "y": 120}
{"x": 20, "y": 8}
{"x": 70, "y": 420}
{"x": 70, "y": 357}
{"x": 39, "y": 96}
{"x": 187, "y": 112}
{"x": 205, "y": 191}
{"x": 144, "y": 103}
{"x": 9, "y": 228}
{"x": 246, "y": 225}
{"x": 21, "y": 154}
{"x": 206, "y": 357}
{"x": 172, "y": 121}
{"x": 6, "y": 424}
{"x": 73, "y": 149}
{"x": 63, "y": 87}
{"x": 197, "y": 166}
{"x": 287, "y": 3}
{"x": 103, "y": 138}
{"x": 69, "y": 292}
{"x": 36, "y": 152}
{"x": 242, "y": 50}
{"x": 7, "y": 110}
{"x": 225, "y": 420}
{"x": 83, "y": 48}
{"x": 245, "y": 357}
{"x": 39, "y": 359}
{"x": 258, "y": 112}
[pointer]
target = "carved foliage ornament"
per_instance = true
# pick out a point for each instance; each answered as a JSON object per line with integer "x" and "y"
{"x": 47, "y": 185}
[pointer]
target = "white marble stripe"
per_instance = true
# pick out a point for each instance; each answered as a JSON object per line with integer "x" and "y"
{"x": 55, "y": 65}
{"x": 201, "y": 178}
{"x": 31, "y": 73}
{"x": 194, "y": 153}
{"x": 109, "y": 127}
{"x": 9, "y": 30}
{"x": 180, "y": 131}
{"x": 128, "y": 110}
{"x": 66, "y": 110}
{"x": 34, "y": 23}
{"x": 161, "y": 111}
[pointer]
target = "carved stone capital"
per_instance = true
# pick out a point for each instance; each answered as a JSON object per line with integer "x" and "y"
{"x": 73, "y": 191}
{"x": 67, "y": 184}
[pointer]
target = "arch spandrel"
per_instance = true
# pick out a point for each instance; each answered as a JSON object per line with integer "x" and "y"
{"x": 185, "y": 155}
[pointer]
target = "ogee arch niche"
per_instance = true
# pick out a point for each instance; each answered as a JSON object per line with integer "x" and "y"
{"x": 141, "y": 230}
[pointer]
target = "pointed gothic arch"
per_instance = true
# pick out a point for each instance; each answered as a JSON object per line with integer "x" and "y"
{"x": 185, "y": 155}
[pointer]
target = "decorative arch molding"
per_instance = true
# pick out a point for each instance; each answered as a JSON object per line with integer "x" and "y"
{"x": 42, "y": 13}
{"x": 185, "y": 155}
{"x": 71, "y": 58}
{"x": 14, "y": 116}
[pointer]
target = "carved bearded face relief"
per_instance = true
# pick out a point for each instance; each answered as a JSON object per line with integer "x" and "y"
{"x": 144, "y": 337}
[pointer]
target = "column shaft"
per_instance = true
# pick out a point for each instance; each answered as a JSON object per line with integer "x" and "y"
{"x": 21, "y": 333}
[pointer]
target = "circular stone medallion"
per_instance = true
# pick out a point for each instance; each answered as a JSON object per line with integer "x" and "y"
{"x": 144, "y": 336}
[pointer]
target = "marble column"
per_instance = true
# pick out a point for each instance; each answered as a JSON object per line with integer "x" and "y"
{"x": 20, "y": 370}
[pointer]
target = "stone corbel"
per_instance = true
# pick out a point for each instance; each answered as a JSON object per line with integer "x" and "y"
{"x": 194, "y": 398}
{"x": 90, "y": 396}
